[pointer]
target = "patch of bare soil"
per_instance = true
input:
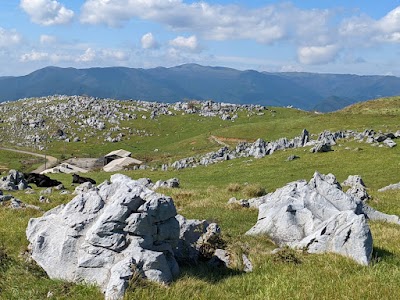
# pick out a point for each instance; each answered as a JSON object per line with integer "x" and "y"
{"x": 86, "y": 163}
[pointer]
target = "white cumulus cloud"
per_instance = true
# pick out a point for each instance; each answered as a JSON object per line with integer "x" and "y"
{"x": 113, "y": 13}
{"x": 112, "y": 54}
{"x": 214, "y": 21}
{"x": 190, "y": 43}
{"x": 88, "y": 56}
{"x": 364, "y": 30}
{"x": 149, "y": 42}
{"x": 47, "y": 39}
{"x": 34, "y": 56}
{"x": 314, "y": 55}
{"x": 47, "y": 12}
{"x": 9, "y": 38}
{"x": 391, "y": 22}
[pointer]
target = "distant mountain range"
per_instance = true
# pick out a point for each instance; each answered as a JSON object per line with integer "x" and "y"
{"x": 309, "y": 91}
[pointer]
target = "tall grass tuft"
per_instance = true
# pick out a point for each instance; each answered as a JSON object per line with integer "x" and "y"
{"x": 254, "y": 190}
{"x": 234, "y": 187}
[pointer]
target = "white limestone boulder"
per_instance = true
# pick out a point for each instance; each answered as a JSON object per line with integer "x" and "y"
{"x": 105, "y": 233}
{"x": 119, "y": 229}
{"x": 317, "y": 216}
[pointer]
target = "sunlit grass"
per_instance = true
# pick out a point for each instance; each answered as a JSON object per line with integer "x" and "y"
{"x": 204, "y": 194}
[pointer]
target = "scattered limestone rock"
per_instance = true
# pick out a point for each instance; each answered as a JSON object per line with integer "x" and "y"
{"x": 292, "y": 157}
{"x": 47, "y": 191}
{"x": 101, "y": 234}
{"x": 321, "y": 147}
{"x": 375, "y": 215}
{"x": 241, "y": 202}
{"x": 318, "y": 217}
{"x": 353, "y": 180}
{"x": 357, "y": 187}
{"x": 84, "y": 187}
{"x": 389, "y": 142}
{"x": 224, "y": 258}
{"x": 146, "y": 182}
{"x": 15, "y": 180}
{"x": 170, "y": 183}
{"x": 43, "y": 199}
{"x": 344, "y": 233}
{"x": 111, "y": 232}
{"x": 59, "y": 187}
{"x": 359, "y": 192}
{"x": 4, "y": 198}
{"x": 189, "y": 233}
{"x": 30, "y": 191}
{"x": 15, "y": 203}
{"x": 395, "y": 186}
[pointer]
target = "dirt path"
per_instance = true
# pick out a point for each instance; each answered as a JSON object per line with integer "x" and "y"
{"x": 221, "y": 140}
{"x": 51, "y": 161}
{"x": 218, "y": 141}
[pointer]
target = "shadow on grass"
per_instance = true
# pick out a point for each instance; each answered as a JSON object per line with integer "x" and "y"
{"x": 208, "y": 273}
{"x": 380, "y": 254}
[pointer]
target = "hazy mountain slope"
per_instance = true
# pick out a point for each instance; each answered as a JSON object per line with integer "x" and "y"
{"x": 230, "y": 85}
{"x": 347, "y": 86}
{"x": 332, "y": 103}
{"x": 323, "y": 92}
{"x": 119, "y": 83}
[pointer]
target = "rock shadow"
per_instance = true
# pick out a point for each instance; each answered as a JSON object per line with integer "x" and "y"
{"x": 211, "y": 274}
{"x": 379, "y": 254}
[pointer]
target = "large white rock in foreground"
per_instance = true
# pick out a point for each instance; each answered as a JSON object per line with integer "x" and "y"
{"x": 316, "y": 216}
{"x": 105, "y": 235}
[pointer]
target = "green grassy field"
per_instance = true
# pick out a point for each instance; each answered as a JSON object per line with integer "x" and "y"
{"x": 18, "y": 161}
{"x": 204, "y": 193}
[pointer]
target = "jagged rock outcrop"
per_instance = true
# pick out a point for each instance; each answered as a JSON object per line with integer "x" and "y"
{"x": 292, "y": 157}
{"x": 321, "y": 147}
{"x": 389, "y": 143}
{"x": 394, "y": 186}
{"x": 14, "y": 203}
{"x": 15, "y": 180}
{"x": 168, "y": 184}
{"x": 257, "y": 149}
{"x": 77, "y": 118}
{"x": 103, "y": 234}
{"x": 108, "y": 233}
{"x": 241, "y": 202}
{"x": 261, "y": 148}
{"x": 84, "y": 187}
{"x": 374, "y": 215}
{"x": 319, "y": 217}
{"x": 357, "y": 187}
{"x": 223, "y": 258}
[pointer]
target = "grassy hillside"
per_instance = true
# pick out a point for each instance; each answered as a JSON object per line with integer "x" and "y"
{"x": 183, "y": 135}
{"x": 24, "y": 162}
{"x": 204, "y": 194}
{"x": 384, "y": 106}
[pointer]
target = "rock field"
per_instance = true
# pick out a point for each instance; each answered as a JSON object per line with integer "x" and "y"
{"x": 111, "y": 232}
{"x": 77, "y": 118}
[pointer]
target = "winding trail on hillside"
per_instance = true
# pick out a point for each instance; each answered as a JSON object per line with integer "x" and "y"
{"x": 221, "y": 140}
{"x": 218, "y": 141}
{"x": 51, "y": 160}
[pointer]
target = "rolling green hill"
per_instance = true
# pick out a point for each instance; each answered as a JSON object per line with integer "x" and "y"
{"x": 204, "y": 193}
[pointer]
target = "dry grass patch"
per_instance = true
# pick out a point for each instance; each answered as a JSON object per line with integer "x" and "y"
{"x": 182, "y": 197}
{"x": 287, "y": 255}
{"x": 254, "y": 190}
{"x": 234, "y": 187}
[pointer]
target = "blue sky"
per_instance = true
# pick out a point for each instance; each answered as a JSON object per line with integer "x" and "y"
{"x": 358, "y": 37}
